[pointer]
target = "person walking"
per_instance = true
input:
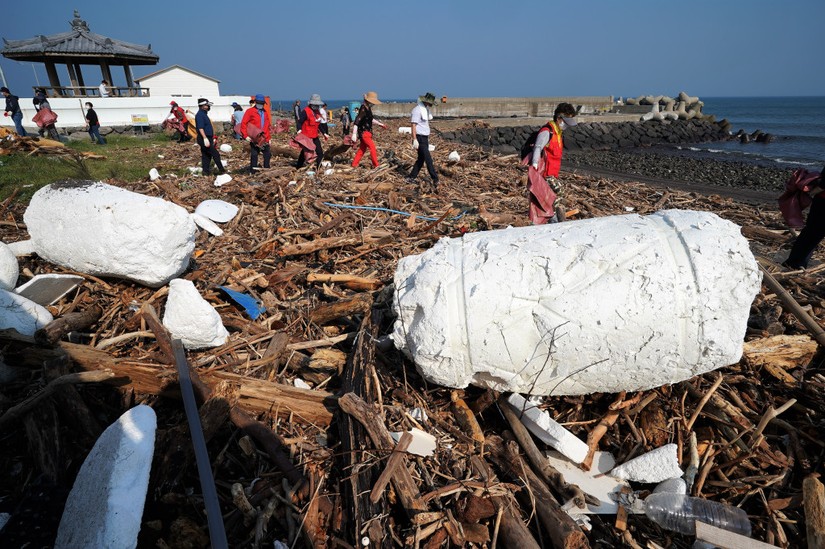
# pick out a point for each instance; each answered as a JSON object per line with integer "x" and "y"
{"x": 256, "y": 129}
{"x": 346, "y": 121}
{"x": 206, "y": 138}
{"x": 420, "y": 119}
{"x": 41, "y": 102}
{"x": 309, "y": 125}
{"x": 93, "y": 125}
{"x": 362, "y": 129}
{"x": 814, "y": 230}
{"x": 13, "y": 109}
{"x": 237, "y": 116}
{"x": 545, "y": 162}
{"x": 323, "y": 121}
{"x": 296, "y": 111}
{"x": 180, "y": 122}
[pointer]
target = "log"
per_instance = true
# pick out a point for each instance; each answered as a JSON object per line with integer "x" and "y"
{"x": 54, "y": 331}
{"x": 780, "y": 353}
{"x": 793, "y": 306}
{"x": 350, "y": 281}
{"x": 395, "y": 461}
{"x": 303, "y": 248}
{"x": 359, "y": 304}
{"x": 813, "y": 496}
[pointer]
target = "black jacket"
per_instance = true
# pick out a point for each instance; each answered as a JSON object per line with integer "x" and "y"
{"x": 13, "y": 104}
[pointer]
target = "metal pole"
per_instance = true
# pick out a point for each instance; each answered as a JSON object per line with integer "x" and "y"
{"x": 3, "y": 77}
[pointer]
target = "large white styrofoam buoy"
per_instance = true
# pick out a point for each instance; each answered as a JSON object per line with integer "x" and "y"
{"x": 599, "y": 305}
{"x": 22, "y": 314}
{"x": 9, "y": 268}
{"x": 100, "y": 229}
{"x": 190, "y": 318}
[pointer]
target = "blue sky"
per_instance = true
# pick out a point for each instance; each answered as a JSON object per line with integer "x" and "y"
{"x": 456, "y": 48}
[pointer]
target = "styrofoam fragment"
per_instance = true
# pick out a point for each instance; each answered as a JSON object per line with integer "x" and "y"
{"x": 195, "y": 170}
{"x": 423, "y": 443}
{"x": 222, "y": 179}
{"x": 154, "y": 174}
{"x": 22, "y": 248}
{"x": 405, "y": 129}
{"x": 225, "y": 148}
{"x": 218, "y": 211}
{"x": 300, "y": 383}
{"x": 224, "y": 162}
{"x": 21, "y": 314}
{"x": 549, "y": 431}
{"x": 671, "y": 486}
{"x": 593, "y": 482}
{"x": 190, "y": 318}
{"x": 655, "y": 466}
{"x": 329, "y": 171}
{"x": 454, "y": 157}
{"x": 9, "y": 268}
{"x": 104, "y": 230}
{"x": 105, "y": 506}
{"x": 207, "y": 224}
{"x": 326, "y": 164}
{"x": 432, "y": 148}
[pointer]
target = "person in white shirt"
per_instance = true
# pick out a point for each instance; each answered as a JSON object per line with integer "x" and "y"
{"x": 104, "y": 89}
{"x": 323, "y": 121}
{"x": 420, "y": 119}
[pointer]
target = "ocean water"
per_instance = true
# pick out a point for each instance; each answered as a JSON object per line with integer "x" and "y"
{"x": 797, "y": 123}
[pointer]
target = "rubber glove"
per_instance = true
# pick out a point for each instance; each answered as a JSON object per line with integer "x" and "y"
{"x": 5, "y": 114}
{"x": 534, "y": 166}
{"x": 355, "y": 136}
{"x": 249, "y": 139}
{"x": 415, "y": 143}
{"x": 206, "y": 143}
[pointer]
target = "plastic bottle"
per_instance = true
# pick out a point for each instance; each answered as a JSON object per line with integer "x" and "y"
{"x": 679, "y": 512}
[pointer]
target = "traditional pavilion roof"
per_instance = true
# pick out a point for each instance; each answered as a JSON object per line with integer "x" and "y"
{"x": 77, "y": 44}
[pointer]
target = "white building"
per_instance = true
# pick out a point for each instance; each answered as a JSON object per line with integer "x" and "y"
{"x": 177, "y": 81}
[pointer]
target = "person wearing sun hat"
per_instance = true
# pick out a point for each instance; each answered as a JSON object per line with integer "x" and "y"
{"x": 362, "y": 129}
{"x": 420, "y": 120}
{"x": 259, "y": 121}
{"x": 309, "y": 125}
{"x": 206, "y": 138}
{"x": 545, "y": 202}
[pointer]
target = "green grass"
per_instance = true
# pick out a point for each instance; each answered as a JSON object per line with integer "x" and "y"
{"x": 127, "y": 159}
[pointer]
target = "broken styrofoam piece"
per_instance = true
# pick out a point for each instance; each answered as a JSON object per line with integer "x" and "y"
{"x": 224, "y": 162}
{"x": 423, "y": 443}
{"x": 105, "y": 506}
{"x": 607, "y": 304}
{"x": 671, "y": 486}
{"x": 22, "y": 314}
{"x": 300, "y": 383}
{"x": 655, "y": 466}
{"x": 154, "y": 174}
{"x": 326, "y": 164}
{"x": 9, "y": 268}
{"x": 190, "y": 318}
{"x": 432, "y": 148}
{"x": 222, "y": 179}
{"x": 419, "y": 414}
{"x": 329, "y": 171}
{"x": 207, "y": 224}
{"x": 225, "y": 148}
{"x": 45, "y": 289}
{"x": 218, "y": 211}
{"x": 22, "y": 248}
{"x": 100, "y": 229}
{"x": 195, "y": 170}
{"x": 454, "y": 157}
{"x": 594, "y": 482}
{"x": 549, "y": 431}
{"x": 405, "y": 129}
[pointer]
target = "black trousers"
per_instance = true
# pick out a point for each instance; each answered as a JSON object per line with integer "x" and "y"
{"x": 209, "y": 153}
{"x": 424, "y": 157}
{"x": 253, "y": 157}
{"x": 319, "y": 151}
{"x": 810, "y": 236}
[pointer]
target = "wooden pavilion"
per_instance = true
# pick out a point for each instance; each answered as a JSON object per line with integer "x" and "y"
{"x": 80, "y": 47}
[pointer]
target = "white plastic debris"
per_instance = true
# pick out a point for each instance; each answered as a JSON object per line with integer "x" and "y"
{"x": 549, "y": 431}
{"x": 154, "y": 174}
{"x": 326, "y": 164}
{"x": 190, "y": 318}
{"x": 9, "y": 268}
{"x": 104, "y": 230}
{"x": 629, "y": 208}
{"x": 225, "y": 148}
{"x": 423, "y": 443}
{"x": 454, "y": 157}
{"x": 207, "y": 224}
{"x": 22, "y": 248}
{"x": 432, "y": 148}
{"x": 21, "y": 314}
{"x": 161, "y": 156}
{"x": 217, "y": 210}
{"x": 105, "y": 506}
{"x": 598, "y": 305}
{"x": 405, "y": 129}
{"x": 329, "y": 171}
{"x": 671, "y": 486}
{"x": 300, "y": 383}
{"x": 655, "y": 466}
{"x": 593, "y": 482}
{"x": 222, "y": 179}
{"x": 224, "y": 162}
{"x": 45, "y": 289}
{"x": 419, "y": 414}
{"x": 195, "y": 170}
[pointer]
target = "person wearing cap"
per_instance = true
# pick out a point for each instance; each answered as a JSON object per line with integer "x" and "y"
{"x": 362, "y": 129}
{"x": 237, "y": 116}
{"x": 546, "y": 160}
{"x": 181, "y": 122}
{"x": 309, "y": 125}
{"x": 206, "y": 138}
{"x": 259, "y": 119}
{"x": 41, "y": 102}
{"x": 13, "y": 110}
{"x": 420, "y": 120}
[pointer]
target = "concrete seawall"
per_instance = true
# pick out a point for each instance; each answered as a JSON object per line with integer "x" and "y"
{"x": 493, "y": 107}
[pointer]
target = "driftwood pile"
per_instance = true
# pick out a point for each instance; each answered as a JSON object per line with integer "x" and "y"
{"x": 316, "y": 467}
{"x": 11, "y": 143}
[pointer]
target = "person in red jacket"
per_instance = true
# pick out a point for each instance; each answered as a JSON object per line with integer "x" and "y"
{"x": 546, "y": 160}
{"x": 257, "y": 120}
{"x": 309, "y": 125}
{"x": 180, "y": 122}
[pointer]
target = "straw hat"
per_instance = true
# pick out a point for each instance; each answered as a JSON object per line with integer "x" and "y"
{"x": 372, "y": 98}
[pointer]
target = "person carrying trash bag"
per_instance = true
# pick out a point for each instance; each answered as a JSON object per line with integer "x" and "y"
{"x": 206, "y": 138}
{"x": 309, "y": 126}
{"x": 362, "y": 129}
{"x": 420, "y": 120}
{"x": 179, "y": 122}
{"x": 256, "y": 129}
{"x": 814, "y": 230}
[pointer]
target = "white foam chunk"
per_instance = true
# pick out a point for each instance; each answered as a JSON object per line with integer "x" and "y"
{"x": 593, "y": 482}
{"x": 218, "y": 211}
{"x": 207, "y": 224}
{"x": 655, "y": 466}
{"x": 423, "y": 443}
{"x": 154, "y": 174}
{"x": 548, "y": 430}
{"x": 405, "y": 129}
{"x": 195, "y": 170}
{"x": 598, "y": 305}
{"x": 222, "y": 179}
{"x": 100, "y": 229}
{"x": 105, "y": 506}
{"x": 190, "y": 318}
{"x": 22, "y": 248}
{"x": 454, "y": 157}
{"x": 22, "y": 314}
{"x": 9, "y": 268}
{"x": 671, "y": 486}
{"x": 225, "y": 148}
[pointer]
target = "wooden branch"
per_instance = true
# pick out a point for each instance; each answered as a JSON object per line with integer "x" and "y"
{"x": 350, "y": 281}
{"x": 303, "y": 248}
{"x": 813, "y": 496}
{"x": 359, "y": 304}
{"x": 756, "y": 437}
{"x": 793, "y": 306}
{"x": 54, "y": 331}
{"x": 704, "y": 401}
{"x": 395, "y": 461}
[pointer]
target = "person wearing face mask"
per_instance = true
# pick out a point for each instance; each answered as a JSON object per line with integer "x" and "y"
{"x": 206, "y": 138}
{"x": 309, "y": 125}
{"x": 362, "y": 129}
{"x": 256, "y": 129}
{"x": 420, "y": 120}
{"x": 545, "y": 163}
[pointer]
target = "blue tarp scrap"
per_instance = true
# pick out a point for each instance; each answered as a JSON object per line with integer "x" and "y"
{"x": 252, "y": 306}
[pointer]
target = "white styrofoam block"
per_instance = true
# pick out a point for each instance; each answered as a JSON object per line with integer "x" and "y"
{"x": 225, "y": 148}
{"x": 105, "y": 506}
{"x": 190, "y": 318}
{"x": 100, "y": 229}
{"x": 22, "y": 248}
{"x": 431, "y": 148}
{"x": 22, "y": 314}
{"x": 598, "y": 305}
{"x": 423, "y": 443}
{"x": 548, "y": 430}
{"x": 218, "y": 211}
{"x": 9, "y": 268}
{"x": 154, "y": 174}
{"x": 405, "y": 129}
{"x": 655, "y": 466}
{"x": 593, "y": 482}
{"x": 671, "y": 486}
{"x": 222, "y": 179}
{"x": 207, "y": 224}
{"x": 454, "y": 157}
{"x": 195, "y": 170}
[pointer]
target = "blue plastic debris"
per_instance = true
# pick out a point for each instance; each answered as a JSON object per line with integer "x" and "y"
{"x": 252, "y": 306}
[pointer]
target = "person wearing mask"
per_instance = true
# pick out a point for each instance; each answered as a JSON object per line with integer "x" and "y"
{"x": 545, "y": 162}
{"x": 362, "y": 129}
{"x": 40, "y": 102}
{"x": 814, "y": 230}
{"x": 104, "y": 89}
{"x": 237, "y": 116}
{"x": 206, "y": 138}
{"x": 256, "y": 129}
{"x": 420, "y": 120}
{"x": 346, "y": 121}
{"x": 179, "y": 121}
{"x": 309, "y": 125}
{"x": 296, "y": 111}
{"x": 93, "y": 125}
{"x": 13, "y": 109}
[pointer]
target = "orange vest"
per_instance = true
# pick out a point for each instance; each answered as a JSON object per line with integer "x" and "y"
{"x": 553, "y": 150}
